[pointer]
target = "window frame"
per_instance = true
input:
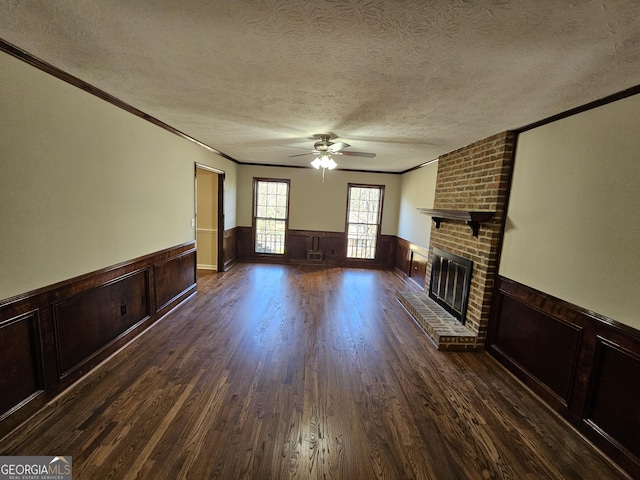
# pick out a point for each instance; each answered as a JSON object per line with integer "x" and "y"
{"x": 254, "y": 217}
{"x": 378, "y": 224}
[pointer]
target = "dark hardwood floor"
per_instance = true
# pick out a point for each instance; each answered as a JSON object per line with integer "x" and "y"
{"x": 277, "y": 372}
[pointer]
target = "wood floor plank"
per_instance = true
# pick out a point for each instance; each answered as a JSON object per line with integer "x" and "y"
{"x": 284, "y": 372}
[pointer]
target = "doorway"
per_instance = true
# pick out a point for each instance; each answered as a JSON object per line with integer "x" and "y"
{"x": 209, "y": 188}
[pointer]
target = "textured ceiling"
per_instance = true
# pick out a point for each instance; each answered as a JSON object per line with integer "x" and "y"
{"x": 408, "y": 80}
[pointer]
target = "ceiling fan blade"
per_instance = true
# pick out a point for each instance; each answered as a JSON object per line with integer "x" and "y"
{"x": 312, "y": 152}
{"x": 357, "y": 154}
{"x": 336, "y": 147}
{"x": 299, "y": 148}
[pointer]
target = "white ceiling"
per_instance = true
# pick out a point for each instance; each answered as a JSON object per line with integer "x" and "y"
{"x": 408, "y": 80}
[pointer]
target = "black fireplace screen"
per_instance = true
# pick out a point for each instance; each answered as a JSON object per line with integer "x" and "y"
{"x": 450, "y": 282}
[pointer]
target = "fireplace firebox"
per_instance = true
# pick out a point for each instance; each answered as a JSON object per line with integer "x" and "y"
{"x": 450, "y": 282}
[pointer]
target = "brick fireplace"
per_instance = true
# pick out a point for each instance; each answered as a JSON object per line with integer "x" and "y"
{"x": 474, "y": 178}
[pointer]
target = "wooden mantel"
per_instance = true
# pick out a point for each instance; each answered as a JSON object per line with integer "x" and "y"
{"x": 473, "y": 218}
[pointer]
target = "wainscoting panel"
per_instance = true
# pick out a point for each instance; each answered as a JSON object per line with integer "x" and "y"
{"x": 544, "y": 346}
{"x": 229, "y": 252}
{"x": 173, "y": 277}
{"x": 50, "y": 337}
{"x": 21, "y": 360}
{"x": 298, "y": 242}
{"x": 244, "y": 245}
{"x": 330, "y": 245}
{"x": 385, "y": 250}
{"x": 333, "y": 246}
{"x": 88, "y": 322}
{"x": 418, "y": 268}
{"x": 411, "y": 260}
{"x": 583, "y": 365}
{"x": 402, "y": 256}
{"x": 612, "y": 406}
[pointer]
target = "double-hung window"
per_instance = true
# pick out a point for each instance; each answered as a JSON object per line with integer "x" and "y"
{"x": 270, "y": 214}
{"x": 364, "y": 214}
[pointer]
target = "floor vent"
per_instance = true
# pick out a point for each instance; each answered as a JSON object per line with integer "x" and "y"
{"x": 314, "y": 255}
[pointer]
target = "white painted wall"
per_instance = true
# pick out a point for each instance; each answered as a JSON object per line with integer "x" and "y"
{"x": 84, "y": 184}
{"x": 418, "y": 189}
{"x": 573, "y": 225}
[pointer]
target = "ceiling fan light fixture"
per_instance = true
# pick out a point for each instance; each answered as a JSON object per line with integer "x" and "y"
{"x": 324, "y": 149}
{"x": 324, "y": 161}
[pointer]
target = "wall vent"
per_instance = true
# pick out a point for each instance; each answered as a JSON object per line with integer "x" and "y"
{"x": 315, "y": 255}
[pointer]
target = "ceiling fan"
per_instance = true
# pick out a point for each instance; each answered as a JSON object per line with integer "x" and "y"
{"x": 325, "y": 149}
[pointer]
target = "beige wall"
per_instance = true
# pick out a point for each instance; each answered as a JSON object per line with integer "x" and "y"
{"x": 85, "y": 185}
{"x": 573, "y": 228}
{"x": 207, "y": 219}
{"x": 418, "y": 189}
{"x": 315, "y": 205}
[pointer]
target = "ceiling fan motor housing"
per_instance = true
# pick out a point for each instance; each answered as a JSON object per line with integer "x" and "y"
{"x": 322, "y": 144}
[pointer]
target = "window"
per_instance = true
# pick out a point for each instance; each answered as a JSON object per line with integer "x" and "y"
{"x": 270, "y": 214}
{"x": 364, "y": 211}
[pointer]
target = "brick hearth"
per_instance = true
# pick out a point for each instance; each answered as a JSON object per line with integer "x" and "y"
{"x": 444, "y": 330}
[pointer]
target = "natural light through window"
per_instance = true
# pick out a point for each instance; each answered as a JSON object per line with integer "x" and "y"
{"x": 363, "y": 220}
{"x": 271, "y": 208}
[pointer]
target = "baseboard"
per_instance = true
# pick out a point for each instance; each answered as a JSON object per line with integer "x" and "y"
{"x": 207, "y": 267}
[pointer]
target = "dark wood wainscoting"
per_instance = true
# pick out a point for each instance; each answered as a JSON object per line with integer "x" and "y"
{"x": 52, "y": 336}
{"x": 411, "y": 260}
{"x": 21, "y": 359}
{"x": 172, "y": 276}
{"x": 230, "y": 252}
{"x": 87, "y": 322}
{"x": 244, "y": 243}
{"x": 331, "y": 246}
{"x": 585, "y": 366}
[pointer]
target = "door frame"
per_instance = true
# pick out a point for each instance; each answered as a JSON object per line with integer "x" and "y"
{"x": 220, "y": 237}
